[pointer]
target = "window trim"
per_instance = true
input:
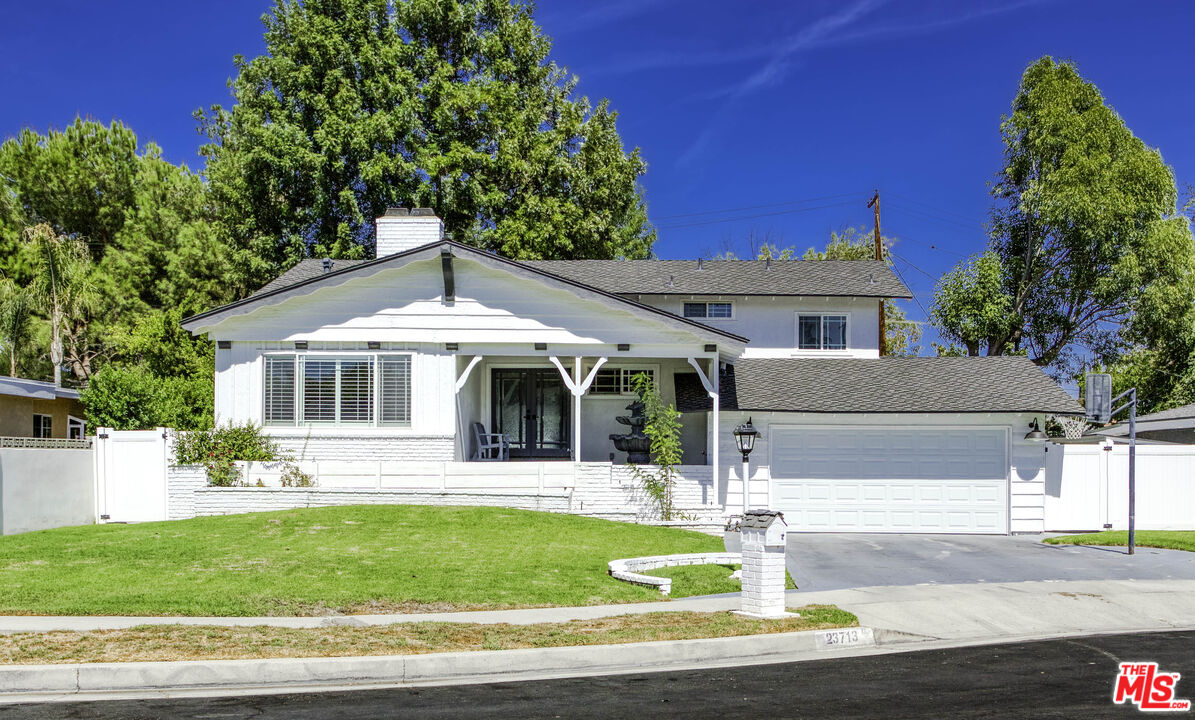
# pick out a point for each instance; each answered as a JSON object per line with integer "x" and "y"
{"x": 822, "y": 315}
{"x": 37, "y": 424}
{"x": 707, "y": 303}
{"x": 71, "y": 419}
{"x": 374, "y": 357}
{"x": 623, "y": 381}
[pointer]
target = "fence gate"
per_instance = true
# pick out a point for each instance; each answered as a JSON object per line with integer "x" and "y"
{"x": 130, "y": 475}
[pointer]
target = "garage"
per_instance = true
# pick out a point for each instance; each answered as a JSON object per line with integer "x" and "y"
{"x": 851, "y": 478}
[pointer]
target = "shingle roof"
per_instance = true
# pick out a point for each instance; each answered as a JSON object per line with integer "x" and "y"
{"x": 893, "y": 384}
{"x": 1178, "y": 413}
{"x": 690, "y": 393}
{"x": 835, "y": 278}
{"x": 304, "y": 270}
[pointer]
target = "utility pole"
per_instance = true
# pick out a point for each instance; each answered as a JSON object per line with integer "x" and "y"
{"x": 874, "y": 204}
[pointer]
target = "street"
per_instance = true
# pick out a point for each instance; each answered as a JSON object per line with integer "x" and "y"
{"x": 1044, "y": 679}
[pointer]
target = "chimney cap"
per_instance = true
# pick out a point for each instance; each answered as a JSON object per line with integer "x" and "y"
{"x": 423, "y": 212}
{"x": 396, "y": 211}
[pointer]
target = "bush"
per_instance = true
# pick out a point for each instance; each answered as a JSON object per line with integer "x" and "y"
{"x": 132, "y": 398}
{"x": 219, "y": 449}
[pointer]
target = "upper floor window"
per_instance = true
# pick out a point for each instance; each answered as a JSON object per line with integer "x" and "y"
{"x": 821, "y": 332}
{"x": 338, "y": 390}
{"x": 43, "y": 426}
{"x": 617, "y": 380}
{"x": 722, "y": 310}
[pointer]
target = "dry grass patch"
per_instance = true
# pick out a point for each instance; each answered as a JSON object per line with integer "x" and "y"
{"x": 181, "y": 642}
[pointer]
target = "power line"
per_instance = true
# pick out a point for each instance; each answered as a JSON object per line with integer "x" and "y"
{"x": 751, "y": 217}
{"x": 757, "y": 207}
{"x": 935, "y": 208}
{"x": 906, "y": 262}
{"x": 915, "y": 298}
{"x": 931, "y": 246}
{"x": 921, "y": 214}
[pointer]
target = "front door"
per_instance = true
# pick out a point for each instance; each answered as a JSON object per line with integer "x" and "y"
{"x": 531, "y": 407}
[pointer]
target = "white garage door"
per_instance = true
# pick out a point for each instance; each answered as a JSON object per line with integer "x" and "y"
{"x": 890, "y": 479}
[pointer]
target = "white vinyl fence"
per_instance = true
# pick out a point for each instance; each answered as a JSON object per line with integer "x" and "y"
{"x": 130, "y": 475}
{"x": 1087, "y": 487}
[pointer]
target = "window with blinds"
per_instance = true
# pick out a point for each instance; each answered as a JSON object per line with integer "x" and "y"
{"x": 351, "y": 390}
{"x": 396, "y": 389}
{"x": 280, "y": 390}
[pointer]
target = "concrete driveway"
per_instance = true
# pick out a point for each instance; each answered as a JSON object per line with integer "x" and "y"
{"x": 828, "y": 561}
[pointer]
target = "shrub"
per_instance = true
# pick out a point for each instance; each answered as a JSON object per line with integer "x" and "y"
{"x": 664, "y": 428}
{"x": 219, "y": 449}
{"x": 132, "y": 398}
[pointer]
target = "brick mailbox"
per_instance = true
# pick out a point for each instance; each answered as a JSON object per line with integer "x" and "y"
{"x": 763, "y": 533}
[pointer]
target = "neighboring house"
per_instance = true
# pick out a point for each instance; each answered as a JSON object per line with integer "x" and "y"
{"x": 37, "y": 409}
{"x": 1176, "y": 425}
{"x": 398, "y": 358}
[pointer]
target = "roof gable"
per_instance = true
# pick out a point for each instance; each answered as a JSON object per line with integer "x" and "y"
{"x": 350, "y": 272}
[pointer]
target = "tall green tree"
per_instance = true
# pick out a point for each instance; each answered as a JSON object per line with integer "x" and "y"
{"x": 970, "y": 305}
{"x": 61, "y": 284}
{"x": 147, "y": 227}
{"x": 452, "y": 104}
{"x": 16, "y": 313}
{"x": 1085, "y": 229}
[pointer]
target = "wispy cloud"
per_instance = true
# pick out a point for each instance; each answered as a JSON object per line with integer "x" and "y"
{"x": 835, "y": 29}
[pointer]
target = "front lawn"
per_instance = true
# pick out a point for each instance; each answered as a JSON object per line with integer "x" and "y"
{"x": 181, "y": 642}
{"x": 689, "y": 580}
{"x": 1169, "y": 539}
{"x": 357, "y": 559}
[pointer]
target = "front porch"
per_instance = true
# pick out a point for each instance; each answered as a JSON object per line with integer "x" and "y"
{"x": 551, "y": 407}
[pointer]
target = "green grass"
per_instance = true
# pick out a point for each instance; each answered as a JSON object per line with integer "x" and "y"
{"x": 1169, "y": 539}
{"x": 689, "y": 580}
{"x": 382, "y": 558}
{"x": 188, "y": 642}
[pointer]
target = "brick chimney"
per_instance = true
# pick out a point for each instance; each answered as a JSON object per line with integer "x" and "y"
{"x": 402, "y": 229}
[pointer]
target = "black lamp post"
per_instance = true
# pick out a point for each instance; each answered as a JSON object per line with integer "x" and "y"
{"x": 744, "y": 437}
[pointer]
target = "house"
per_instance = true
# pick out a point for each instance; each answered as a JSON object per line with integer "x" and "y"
{"x": 1176, "y": 425}
{"x": 400, "y": 358}
{"x": 37, "y": 409}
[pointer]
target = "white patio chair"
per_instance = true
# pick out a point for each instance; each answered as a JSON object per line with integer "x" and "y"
{"x": 489, "y": 446}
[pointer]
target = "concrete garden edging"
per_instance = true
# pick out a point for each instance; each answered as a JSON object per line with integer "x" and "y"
{"x": 628, "y": 569}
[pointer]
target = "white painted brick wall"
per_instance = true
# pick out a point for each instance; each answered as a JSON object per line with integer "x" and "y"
{"x": 599, "y": 490}
{"x": 181, "y": 483}
{"x": 230, "y": 501}
{"x": 404, "y": 232}
{"x": 316, "y": 447}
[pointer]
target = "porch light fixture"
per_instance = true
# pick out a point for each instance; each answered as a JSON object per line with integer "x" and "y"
{"x": 452, "y": 347}
{"x": 1035, "y": 434}
{"x": 300, "y": 345}
{"x": 624, "y": 347}
{"x": 373, "y": 345}
{"x": 541, "y": 346}
{"x": 744, "y": 438}
{"x": 224, "y": 344}
{"x": 711, "y": 348}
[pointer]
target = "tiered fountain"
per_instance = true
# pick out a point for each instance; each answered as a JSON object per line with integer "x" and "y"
{"x": 636, "y": 444}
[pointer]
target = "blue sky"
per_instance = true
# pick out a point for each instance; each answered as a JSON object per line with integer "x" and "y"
{"x": 793, "y": 110}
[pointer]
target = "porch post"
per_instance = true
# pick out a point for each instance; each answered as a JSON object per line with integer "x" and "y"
{"x": 577, "y": 409}
{"x": 711, "y": 388}
{"x": 577, "y": 387}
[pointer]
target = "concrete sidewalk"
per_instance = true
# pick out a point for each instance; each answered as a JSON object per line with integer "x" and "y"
{"x": 902, "y": 618}
{"x": 966, "y": 611}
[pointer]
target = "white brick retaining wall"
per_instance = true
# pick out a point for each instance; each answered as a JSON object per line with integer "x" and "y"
{"x": 319, "y": 447}
{"x": 630, "y": 569}
{"x": 592, "y": 489}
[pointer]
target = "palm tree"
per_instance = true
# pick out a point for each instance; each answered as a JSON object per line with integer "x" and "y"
{"x": 16, "y": 308}
{"x": 61, "y": 281}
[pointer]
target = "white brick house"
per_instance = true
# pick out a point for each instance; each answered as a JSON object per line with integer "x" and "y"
{"x": 397, "y": 358}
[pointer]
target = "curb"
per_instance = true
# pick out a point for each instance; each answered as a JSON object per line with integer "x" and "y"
{"x": 63, "y": 681}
